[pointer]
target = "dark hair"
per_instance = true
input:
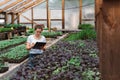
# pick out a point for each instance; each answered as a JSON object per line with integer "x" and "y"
{"x": 39, "y": 26}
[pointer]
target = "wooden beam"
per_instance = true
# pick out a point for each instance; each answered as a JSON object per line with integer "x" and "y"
{"x": 46, "y": 19}
{"x": 63, "y": 14}
{"x": 32, "y": 16}
{"x": 33, "y": 4}
{"x": 19, "y": 6}
{"x": 2, "y": 18}
{"x": 28, "y": 19}
{"x": 88, "y": 19}
{"x": 17, "y": 18}
{"x": 10, "y": 5}
{"x": 25, "y": 23}
{"x": 4, "y": 2}
{"x": 80, "y": 19}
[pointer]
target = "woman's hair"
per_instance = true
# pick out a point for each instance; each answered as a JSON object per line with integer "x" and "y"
{"x": 39, "y": 26}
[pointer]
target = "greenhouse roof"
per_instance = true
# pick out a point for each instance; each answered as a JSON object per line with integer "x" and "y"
{"x": 20, "y": 6}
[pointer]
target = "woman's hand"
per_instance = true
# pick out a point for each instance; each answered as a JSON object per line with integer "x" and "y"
{"x": 32, "y": 45}
{"x": 29, "y": 45}
{"x": 44, "y": 48}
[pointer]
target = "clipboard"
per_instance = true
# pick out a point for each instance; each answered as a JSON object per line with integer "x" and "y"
{"x": 39, "y": 45}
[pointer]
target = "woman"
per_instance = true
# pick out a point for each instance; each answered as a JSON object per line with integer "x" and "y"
{"x": 32, "y": 39}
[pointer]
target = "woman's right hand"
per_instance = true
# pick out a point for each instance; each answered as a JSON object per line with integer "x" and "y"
{"x": 29, "y": 45}
{"x": 32, "y": 45}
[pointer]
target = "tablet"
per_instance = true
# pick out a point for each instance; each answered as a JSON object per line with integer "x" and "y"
{"x": 39, "y": 45}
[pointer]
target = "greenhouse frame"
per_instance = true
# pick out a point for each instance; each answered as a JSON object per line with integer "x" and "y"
{"x": 81, "y": 37}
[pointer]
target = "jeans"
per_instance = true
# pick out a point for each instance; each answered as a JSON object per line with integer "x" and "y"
{"x": 31, "y": 57}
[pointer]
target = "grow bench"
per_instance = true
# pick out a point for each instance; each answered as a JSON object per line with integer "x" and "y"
{"x": 5, "y": 35}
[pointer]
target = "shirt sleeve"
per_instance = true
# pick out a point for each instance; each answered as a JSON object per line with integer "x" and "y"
{"x": 44, "y": 39}
{"x": 29, "y": 39}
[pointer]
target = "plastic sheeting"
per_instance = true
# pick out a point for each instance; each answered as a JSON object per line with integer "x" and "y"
{"x": 71, "y": 12}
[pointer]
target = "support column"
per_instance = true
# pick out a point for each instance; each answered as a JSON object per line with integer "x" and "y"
{"x": 12, "y": 19}
{"x": 18, "y": 18}
{"x": 6, "y": 18}
{"x": 108, "y": 35}
{"x": 32, "y": 16}
{"x": 63, "y": 14}
{"x": 48, "y": 14}
{"x": 80, "y": 15}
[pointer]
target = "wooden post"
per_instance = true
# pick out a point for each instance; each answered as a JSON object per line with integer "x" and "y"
{"x": 108, "y": 32}
{"x": 32, "y": 16}
{"x": 49, "y": 21}
{"x": 80, "y": 19}
{"x": 6, "y": 18}
{"x": 63, "y": 14}
{"x": 12, "y": 19}
{"x": 47, "y": 8}
{"x": 18, "y": 18}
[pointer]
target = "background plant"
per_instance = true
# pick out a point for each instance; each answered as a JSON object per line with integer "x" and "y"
{"x": 85, "y": 26}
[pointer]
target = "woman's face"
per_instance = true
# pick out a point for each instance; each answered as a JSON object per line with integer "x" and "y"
{"x": 38, "y": 31}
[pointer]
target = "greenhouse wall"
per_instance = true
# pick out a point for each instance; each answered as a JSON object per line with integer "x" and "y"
{"x": 55, "y": 8}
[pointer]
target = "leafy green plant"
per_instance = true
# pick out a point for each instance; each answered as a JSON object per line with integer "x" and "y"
{"x": 5, "y": 29}
{"x": 7, "y": 43}
{"x": 94, "y": 55}
{"x": 15, "y": 53}
{"x": 51, "y": 34}
{"x": 12, "y": 25}
{"x": 72, "y": 37}
{"x": 45, "y": 29}
{"x": 87, "y": 34}
{"x": 31, "y": 30}
{"x": 83, "y": 35}
{"x": 81, "y": 45}
{"x": 74, "y": 61}
{"x": 85, "y": 26}
{"x": 57, "y": 71}
{"x": 89, "y": 75}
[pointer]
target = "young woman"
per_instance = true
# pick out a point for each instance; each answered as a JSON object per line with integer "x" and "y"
{"x": 32, "y": 39}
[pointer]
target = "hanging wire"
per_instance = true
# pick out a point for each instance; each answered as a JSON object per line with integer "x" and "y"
{"x": 74, "y": 7}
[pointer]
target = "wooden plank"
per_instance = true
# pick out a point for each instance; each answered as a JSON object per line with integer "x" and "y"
{"x": 33, "y": 4}
{"x": 2, "y": 18}
{"x": 46, "y": 19}
{"x": 63, "y": 14}
{"x": 19, "y": 6}
{"x": 10, "y": 5}
{"x": 88, "y": 19}
{"x": 28, "y": 19}
{"x": 25, "y": 23}
{"x": 39, "y": 19}
{"x": 4, "y": 2}
{"x": 108, "y": 22}
{"x": 80, "y": 12}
